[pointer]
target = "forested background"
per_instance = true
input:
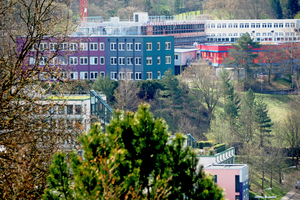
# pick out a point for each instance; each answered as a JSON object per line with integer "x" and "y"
{"x": 219, "y": 9}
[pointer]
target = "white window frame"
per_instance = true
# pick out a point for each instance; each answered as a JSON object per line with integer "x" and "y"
{"x": 167, "y": 45}
{"x": 31, "y": 60}
{"x": 149, "y": 76}
{"x": 149, "y": 60}
{"x": 73, "y": 60}
{"x": 158, "y": 46}
{"x": 93, "y": 46}
{"x": 275, "y": 25}
{"x": 121, "y": 60}
{"x": 73, "y": 46}
{"x": 63, "y": 46}
{"x": 176, "y": 55}
{"x": 138, "y": 46}
{"x": 83, "y": 46}
{"x": 148, "y": 46}
{"x": 93, "y": 60}
{"x": 138, "y": 75}
{"x": 121, "y": 46}
{"x": 53, "y": 46}
{"x": 102, "y": 74}
{"x": 230, "y": 25}
{"x": 287, "y": 25}
{"x": 158, "y": 74}
{"x": 121, "y": 75}
{"x": 137, "y": 59}
{"x": 82, "y": 75}
{"x": 129, "y": 61}
{"x": 75, "y": 75}
{"x": 130, "y": 75}
{"x": 158, "y": 60}
{"x": 93, "y": 75}
{"x": 113, "y": 46}
{"x": 280, "y": 25}
{"x": 43, "y": 60}
{"x": 264, "y": 25}
{"x": 63, "y": 61}
{"x": 101, "y": 46}
{"x": 168, "y": 60}
{"x": 102, "y": 60}
{"x": 43, "y": 46}
{"x": 113, "y": 60}
{"x": 129, "y": 46}
{"x": 83, "y": 58}
{"x": 113, "y": 75}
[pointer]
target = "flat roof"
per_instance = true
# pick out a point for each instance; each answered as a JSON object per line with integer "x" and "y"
{"x": 70, "y": 97}
{"x": 184, "y": 50}
{"x": 225, "y": 166}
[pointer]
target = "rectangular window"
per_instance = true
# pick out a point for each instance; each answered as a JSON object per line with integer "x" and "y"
{"x": 237, "y": 183}
{"x": 43, "y": 46}
{"x": 121, "y": 75}
{"x": 93, "y": 46}
{"x": 102, "y": 74}
{"x": 158, "y": 75}
{"x": 101, "y": 45}
{"x": 257, "y": 25}
{"x": 63, "y": 60}
{"x": 158, "y": 46}
{"x": 73, "y": 75}
{"x": 73, "y": 61}
{"x": 121, "y": 46}
{"x": 138, "y": 46}
{"x": 83, "y": 60}
{"x": 168, "y": 59}
{"x": 43, "y": 60}
{"x": 280, "y": 25}
{"x": 102, "y": 60}
{"x": 293, "y": 25}
{"x": 129, "y": 60}
{"x": 83, "y": 75}
{"x": 149, "y": 75}
{"x": 212, "y": 25}
{"x": 264, "y": 34}
{"x": 129, "y": 46}
{"x": 218, "y": 25}
{"x": 113, "y": 60}
{"x": 252, "y": 25}
{"x": 176, "y": 56}
{"x": 78, "y": 109}
{"x": 83, "y": 46}
{"x": 149, "y": 60}
{"x": 130, "y": 75}
{"x": 73, "y": 46}
{"x": 94, "y": 75}
{"x": 69, "y": 109}
{"x": 216, "y": 179}
{"x": 113, "y": 75}
{"x": 138, "y": 60}
{"x": 241, "y": 25}
{"x": 235, "y": 25}
{"x": 158, "y": 60}
{"x": 113, "y": 46}
{"x": 223, "y": 25}
{"x": 257, "y": 34}
{"x": 246, "y": 25}
{"x": 287, "y": 25}
{"x": 121, "y": 60}
{"x": 264, "y": 25}
{"x": 31, "y": 61}
{"x": 138, "y": 75}
{"x": 94, "y": 60}
{"x": 269, "y": 25}
{"x": 149, "y": 46}
{"x": 53, "y": 47}
{"x": 63, "y": 46}
{"x": 168, "y": 45}
{"x": 229, "y": 25}
{"x": 275, "y": 25}
{"x": 53, "y": 61}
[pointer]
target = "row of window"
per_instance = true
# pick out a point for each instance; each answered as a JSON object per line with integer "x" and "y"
{"x": 256, "y": 34}
{"x": 94, "y": 46}
{"x": 74, "y": 75}
{"x": 138, "y": 75}
{"x": 256, "y": 39}
{"x": 252, "y": 25}
{"x": 94, "y": 60}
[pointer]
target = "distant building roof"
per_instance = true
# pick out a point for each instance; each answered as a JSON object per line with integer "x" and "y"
{"x": 225, "y": 166}
{"x": 184, "y": 50}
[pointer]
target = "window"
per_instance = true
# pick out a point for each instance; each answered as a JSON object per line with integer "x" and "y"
{"x": 31, "y": 61}
{"x": 246, "y": 25}
{"x": 269, "y": 34}
{"x": 280, "y": 25}
{"x": 121, "y": 60}
{"x": 235, "y": 34}
{"x": 237, "y": 197}
{"x": 168, "y": 59}
{"x": 83, "y": 75}
{"x": 138, "y": 46}
{"x": 73, "y": 47}
{"x": 113, "y": 60}
{"x": 229, "y": 25}
{"x": 149, "y": 60}
{"x": 63, "y": 46}
{"x": 121, "y": 46}
{"x": 93, "y": 46}
{"x": 269, "y": 25}
{"x": 73, "y": 61}
{"x": 69, "y": 109}
{"x": 83, "y": 46}
{"x": 257, "y": 25}
{"x": 129, "y": 46}
{"x": 149, "y": 75}
{"x": 158, "y": 60}
{"x": 83, "y": 60}
{"x": 149, "y": 46}
{"x": 138, "y": 75}
{"x": 129, "y": 75}
{"x": 158, "y": 75}
{"x": 275, "y": 25}
{"x": 102, "y": 74}
{"x": 129, "y": 60}
{"x": 101, "y": 45}
{"x": 158, "y": 45}
{"x": 216, "y": 179}
{"x": 94, "y": 60}
{"x": 293, "y": 25}
{"x": 113, "y": 75}
{"x": 218, "y": 25}
{"x": 113, "y": 46}
{"x": 235, "y": 25}
{"x": 73, "y": 75}
{"x": 43, "y": 46}
{"x": 63, "y": 60}
{"x": 94, "y": 75}
{"x": 223, "y": 25}
{"x": 138, "y": 60}
{"x": 168, "y": 45}
{"x": 43, "y": 60}
{"x": 121, "y": 75}
{"x": 252, "y": 25}
{"x": 237, "y": 183}
{"x": 257, "y": 34}
{"x": 264, "y": 34}
{"x": 78, "y": 109}
{"x": 176, "y": 56}
{"x": 33, "y": 47}
{"x": 287, "y": 25}
{"x": 102, "y": 60}
{"x": 224, "y": 34}
{"x": 212, "y": 25}
{"x": 264, "y": 25}
{"x": 53, "y": 46}
{"x": 229, "y": 34}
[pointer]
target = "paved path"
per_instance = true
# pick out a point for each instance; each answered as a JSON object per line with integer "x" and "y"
{"x": 293, "y": 194}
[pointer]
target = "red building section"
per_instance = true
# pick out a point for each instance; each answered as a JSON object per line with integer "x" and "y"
{"x": 271, "y": 53}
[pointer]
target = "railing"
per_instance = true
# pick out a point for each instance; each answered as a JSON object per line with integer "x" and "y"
{"x": 100, "y": 108}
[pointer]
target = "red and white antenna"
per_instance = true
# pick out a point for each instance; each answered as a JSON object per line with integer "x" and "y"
{"x": 83, "y": 10}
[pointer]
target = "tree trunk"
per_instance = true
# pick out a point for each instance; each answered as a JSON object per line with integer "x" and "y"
{"x": 269, "y": 75}
{"x": 271, "y": 178}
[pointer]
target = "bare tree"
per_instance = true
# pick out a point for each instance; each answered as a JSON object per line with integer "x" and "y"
{"x": 226, "y": 9}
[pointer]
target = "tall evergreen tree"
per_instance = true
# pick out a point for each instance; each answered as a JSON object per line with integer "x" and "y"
{"x": 276, "y": 6}
{"x": 293, "y": 8}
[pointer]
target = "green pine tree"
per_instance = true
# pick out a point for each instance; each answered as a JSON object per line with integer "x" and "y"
{"x": 292, "y": 8}
{"x": 276, "y": 6}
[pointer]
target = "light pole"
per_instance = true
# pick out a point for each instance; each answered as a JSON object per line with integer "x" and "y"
{"x": 282, "y": 182}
